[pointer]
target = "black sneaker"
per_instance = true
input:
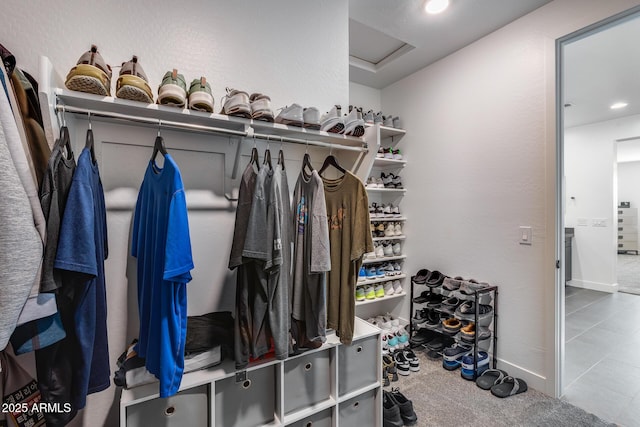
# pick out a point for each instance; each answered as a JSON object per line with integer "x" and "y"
{"x": 385, "y": 378}
{"x": 435, "y": 279}
{"x": 414, "y": 362}
{"x": 390, "y": 411}
{"x": 433, "y": 320}
{"x": 422, "y": 336}
{"x": 449, "y": 305}
{"x": 456, "y": 351}
{"x": 402, "y": 363}
{"x": 408, "y": 415}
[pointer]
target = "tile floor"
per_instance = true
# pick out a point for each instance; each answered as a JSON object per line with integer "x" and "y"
{"x": 602, "y": 354}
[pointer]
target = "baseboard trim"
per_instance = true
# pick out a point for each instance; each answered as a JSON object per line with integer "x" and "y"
{"x": 594, "y": 286}
{"x": 534, "y": 380}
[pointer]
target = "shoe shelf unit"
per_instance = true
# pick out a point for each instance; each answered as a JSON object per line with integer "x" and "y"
{"x": 391, "y": 303}
{"x": 485, "y": 324}
{"x": 332, "y": 385}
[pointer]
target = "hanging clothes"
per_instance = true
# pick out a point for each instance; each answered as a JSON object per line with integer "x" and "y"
{"x": 311, "y": 261}
{"x": 19, "y": 389}
{"x": 162, "y": 246}
{"x": 82, "y": 250}
{"x": 243, "y": 319}
{"x": 20, "y": 242}
{"x": 350, "y": 237}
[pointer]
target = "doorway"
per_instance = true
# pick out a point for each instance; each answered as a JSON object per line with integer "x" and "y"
{"x": 597, "y": 346}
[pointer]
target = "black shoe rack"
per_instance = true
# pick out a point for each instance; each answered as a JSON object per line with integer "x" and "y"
{"x": 427, "y": 308}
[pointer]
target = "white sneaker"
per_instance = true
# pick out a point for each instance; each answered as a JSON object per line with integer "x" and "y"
{"x": 386, "y": 211}
{"x": 332, "y": 121}
{"x": 397, "y": 230}
{"x": 387, "y": 249}
{"x": 379, "y": 183}
{"x": 390, "y": 230}
{"x": 379, "y": 251}
{"x": 397, "y": 249}
{"x": 353, "y": 125}
{"x": 291, "y": 115}
{"x": 261, "y": 107}
{"x": 377, "y": 118}
{"x": 368, "y": 117}
{"x": 311, "y": 118}
{"x": 396, "y": 154}
{"x": 397, "y": 287}
{"x": 397, "y": 269}
{"x": 388, "y": 288}
{"x": 388, "y": 122}
{"x": 236, "y": 104}
{"x": 395, "y": 212}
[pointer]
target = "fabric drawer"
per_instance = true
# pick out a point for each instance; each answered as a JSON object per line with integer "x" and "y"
{"x": 359, "y": 411}
{"x": 623, "y": 228}
{"x": 307, "y": 380}
{"x": 627, "y": 237}
{"x": 628, "y": 211}
{"x": 358, "y": 364}
{"x": 248, "y": 403}
{"x": 627, "y": 220}
{"x": 321, "y": 419}
{"x": 187, "y": 408}
{"x": 627, "y": 246}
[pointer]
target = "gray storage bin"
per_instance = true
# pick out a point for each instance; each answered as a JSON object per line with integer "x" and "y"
{"x": 359, "y": 411}
{"x": 248, "y": 403}
{"x": 187, "y": 408}
{"x": 321, "y": 419}
{"x": 358, "y": 364}
{"x": 307, "y": 380}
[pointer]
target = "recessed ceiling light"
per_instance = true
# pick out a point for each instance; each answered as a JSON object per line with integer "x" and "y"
{"x": 618, "y": 105}
{"x": 436, "y": 6}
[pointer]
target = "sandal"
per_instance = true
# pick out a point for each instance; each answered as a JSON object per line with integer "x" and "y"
{"x": 490, "y": 377}
{"x": 509, "y": 386}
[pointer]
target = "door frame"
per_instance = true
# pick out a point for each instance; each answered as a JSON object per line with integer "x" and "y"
{"x": 587, "y": 31}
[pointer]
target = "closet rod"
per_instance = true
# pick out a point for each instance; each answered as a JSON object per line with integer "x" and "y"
{"x": 60, "y": 108}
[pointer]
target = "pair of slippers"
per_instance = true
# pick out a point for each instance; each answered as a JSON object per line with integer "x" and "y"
{"x": 500, "y": 383}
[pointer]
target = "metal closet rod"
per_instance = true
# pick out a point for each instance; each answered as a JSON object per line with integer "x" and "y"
{"x": 203, "y": 128}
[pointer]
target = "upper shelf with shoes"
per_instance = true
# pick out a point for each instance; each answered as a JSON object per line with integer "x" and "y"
{"x": 117, "y": 108}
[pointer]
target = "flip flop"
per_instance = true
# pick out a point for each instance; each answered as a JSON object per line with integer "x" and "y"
{"x": 490, "y": 377}
{"x": 509, "y": 386}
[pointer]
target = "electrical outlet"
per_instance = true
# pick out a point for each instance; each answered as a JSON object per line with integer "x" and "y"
{"x": 525, "y": 235}
{"x": 582, "y": 222}
{"x": 599, "y": 222}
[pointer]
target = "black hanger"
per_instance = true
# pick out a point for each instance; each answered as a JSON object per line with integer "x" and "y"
{"x": 267, "y": 158}
{"x": 65, "y": 141}
{"x": 255, "y": 159}
{"x": 331, "y": 161}
{"x": 158, "y": 146}
{"x": 281, "y": 158}
{"x": 306, "y": 163}
{"x": 89, "y": 145}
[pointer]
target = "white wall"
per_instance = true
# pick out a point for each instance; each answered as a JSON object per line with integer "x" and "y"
{"x": 481, "y": 150}
{"x": 629, "y": 183}
{"x": 364, "y": 96}
{"x": 590, "y": 159}
{"x": 291, "y": 51}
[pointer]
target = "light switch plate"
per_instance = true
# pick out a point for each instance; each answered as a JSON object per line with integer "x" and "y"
{"x": 599, "y": 222}
{"x": 525, "y": 235}
{"x": 583, "y": 222}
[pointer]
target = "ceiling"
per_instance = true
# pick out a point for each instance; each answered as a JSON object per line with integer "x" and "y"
{"x": 599, "y": 70}
{"x": 391, "y": 39}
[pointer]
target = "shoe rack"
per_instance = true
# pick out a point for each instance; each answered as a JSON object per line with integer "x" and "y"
{"x": 381, "y": 224}
{"x": 429, "y": 313}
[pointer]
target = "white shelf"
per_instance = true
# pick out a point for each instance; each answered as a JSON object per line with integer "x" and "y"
{"x": 384, "y": 298}
{"x": 359, "y": 391}
{"x": 389, "y": 162}
{"x": 386, "y": 218}
{"x": 384, "y": 259}
{"x": 381, "y": 279}
{"x": 311, "y": 410}
{"x": 382, "y": 239}
{"x": 402, "y": 218}
{"x": 108, "y": 104}
{"x": 387, "y": 132}
{"x": 386, "y": 190}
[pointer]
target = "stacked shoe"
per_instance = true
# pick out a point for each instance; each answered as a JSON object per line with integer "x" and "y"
{"x": 353, "y": 123}
{"x": 172, "y": 90}
{"x": 291, "y": 115}
{"x": 311, "y": 118}
{"x": 452, "y": 356}
{"x": 261, "y": 107}
{"x": 91, "y": 74}
{"x": 467, "y": 372}
{"x": 236, "y": 103}
{"x": 397, "y": 409}
{"x": 133, "y": 83}
{"x": 332, "y": 121}
{"x": 200, "y": 97}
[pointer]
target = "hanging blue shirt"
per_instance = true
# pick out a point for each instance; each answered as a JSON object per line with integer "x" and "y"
{"x": 162, "y": 246}
{"x": 82, "y": 249}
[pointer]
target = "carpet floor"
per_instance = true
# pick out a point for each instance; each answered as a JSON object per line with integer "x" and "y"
{"x": 443, "y": 398}
{"x": 628, "y": 272}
